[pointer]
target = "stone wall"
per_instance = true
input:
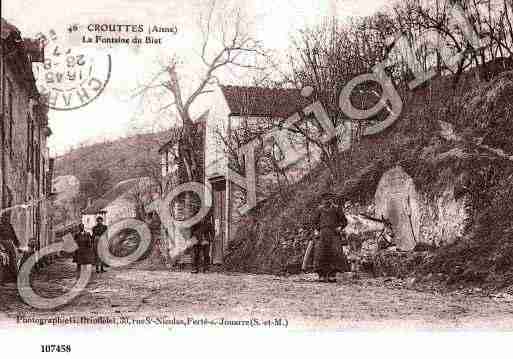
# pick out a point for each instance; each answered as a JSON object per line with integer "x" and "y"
{"x": 433, "y": 218}
{"x": 443, "y": 220}
{"x": 19, "y": 184}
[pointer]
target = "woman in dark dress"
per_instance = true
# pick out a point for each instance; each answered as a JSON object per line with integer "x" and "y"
{"x": 85, "y": 252}
{"x": 328, "y": 256}
{"x": 10, "y": 243}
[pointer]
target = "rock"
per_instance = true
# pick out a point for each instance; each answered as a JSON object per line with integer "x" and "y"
{"x": 410, "y": 282}
{"x": 441, "y": 276}
{"x": 397, "y": 200}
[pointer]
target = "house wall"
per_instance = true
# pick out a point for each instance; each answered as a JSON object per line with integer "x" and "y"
{"x": 184, "y": 205}
{"x": 23, "y": 179}
{"x": 65, "y": 187}
{"x": 217, "y": 119}
{"x": 220, "y": 121}
{"x": 216, "y": 161}
{"x": 124, "y": 206}
{"x": 119, "y": 209}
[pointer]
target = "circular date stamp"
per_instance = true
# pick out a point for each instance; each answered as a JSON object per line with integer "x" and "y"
{"x": 70, "y": 77}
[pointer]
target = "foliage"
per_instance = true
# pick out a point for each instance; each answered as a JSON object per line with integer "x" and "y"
{"x": 268, "y": 240}
{"x": 97, "y": 183}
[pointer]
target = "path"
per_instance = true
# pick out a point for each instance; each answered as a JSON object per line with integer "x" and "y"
{"x": 138, "y": 294}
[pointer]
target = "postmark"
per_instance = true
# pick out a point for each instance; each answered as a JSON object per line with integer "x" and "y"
{"x": 71, "y": 77}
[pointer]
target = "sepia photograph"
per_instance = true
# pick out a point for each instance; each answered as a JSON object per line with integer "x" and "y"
{"x": 331, "y": 174}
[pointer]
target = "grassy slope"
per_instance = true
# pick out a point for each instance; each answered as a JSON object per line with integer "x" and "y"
{"x": 119, "y": 156}
{"x": 268, "y": 241}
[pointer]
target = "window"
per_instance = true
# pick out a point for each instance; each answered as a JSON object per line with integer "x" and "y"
{"x": 10, "y": 119}
{"x": 37, "y": 164}
{"x": 168, "y": 162}
{"x": 163, "y": 164}
{"x": 37, "y": 157}
{"x": 30, "y": 143}
{"x": 44, "y": 191}
{"x": 2, "y": 118}
{"x": 168, "y": 156}
{"x": 277, "y": 152}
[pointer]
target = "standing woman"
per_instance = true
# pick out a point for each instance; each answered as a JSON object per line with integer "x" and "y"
{"x": 85, "y": 252}
{"x": 328, "y": 221}
{"x": 10, "y": 243}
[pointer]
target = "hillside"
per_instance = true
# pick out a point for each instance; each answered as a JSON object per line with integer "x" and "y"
{"x": 121, "y": 157}
{"x": 453, "y": 143}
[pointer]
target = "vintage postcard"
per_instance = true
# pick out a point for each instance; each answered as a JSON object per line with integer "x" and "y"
{"x": 221, "y": 166}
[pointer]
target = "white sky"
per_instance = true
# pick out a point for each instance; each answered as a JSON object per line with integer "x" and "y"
{"x": 111, "y": 115}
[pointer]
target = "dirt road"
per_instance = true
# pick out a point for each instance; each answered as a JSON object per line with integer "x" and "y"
{"x": 226, "y": 299}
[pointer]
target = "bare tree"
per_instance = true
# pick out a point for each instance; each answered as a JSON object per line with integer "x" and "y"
{"x": 150, "y": 164}
{"x": 141, "y": 196}
{"x": 271, "y": 177}
{"x": 97, "y": 183}
{"x": 152, "y": 169}
{"x": 233, "y": 48}
{"x": 326, "y": 58}
{"x": 487, "y": 18}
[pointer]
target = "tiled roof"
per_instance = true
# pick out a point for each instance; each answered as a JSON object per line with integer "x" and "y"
{"x": 263, "y": 101}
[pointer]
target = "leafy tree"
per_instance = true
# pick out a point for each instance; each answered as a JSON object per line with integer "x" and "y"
{"x": 97, "y": 183}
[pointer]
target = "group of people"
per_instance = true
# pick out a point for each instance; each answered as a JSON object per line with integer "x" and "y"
{"x": 202, "y": 235}
{"x": 88, "y": 243}
{"x": 87, "y": 252}
{"x": 328, "y": 222}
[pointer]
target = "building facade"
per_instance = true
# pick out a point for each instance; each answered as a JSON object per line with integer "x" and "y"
{"x": 235, "y": 114}
{"x": 175, "y": 173}
{"x": 127, "y": 199}
{"x": 26, "y": 167}
{"x": 241, "y": 114}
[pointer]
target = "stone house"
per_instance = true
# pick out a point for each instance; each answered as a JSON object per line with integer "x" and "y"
{"x": 174, "y": 173}
{"x": 255, "y": 109}
{"x": 229, "y": 109}
{"x": 124, "y": 200}
{"x": 26, "y": 167}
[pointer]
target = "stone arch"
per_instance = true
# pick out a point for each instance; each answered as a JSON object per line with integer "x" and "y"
{"x": 396, "y": 199}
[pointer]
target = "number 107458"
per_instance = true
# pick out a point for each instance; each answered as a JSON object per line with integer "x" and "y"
{"x": 54, "y": 348}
